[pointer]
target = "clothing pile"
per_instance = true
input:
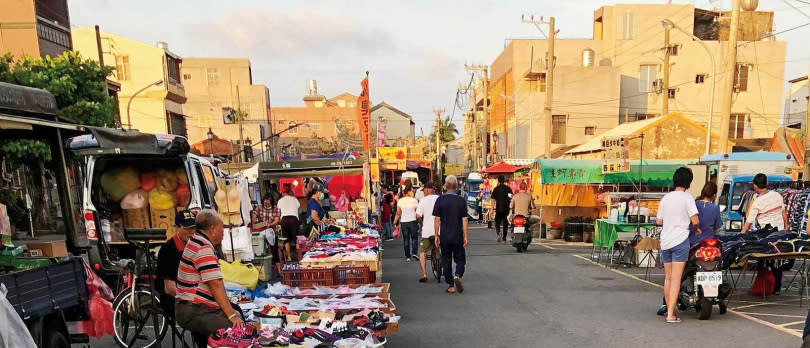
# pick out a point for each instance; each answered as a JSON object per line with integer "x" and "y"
{"x": 796, "y": 203}
{"x": 764, "y": 241}
{"x": 337, "y": 245}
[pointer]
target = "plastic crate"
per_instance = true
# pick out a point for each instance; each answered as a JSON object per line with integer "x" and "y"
{"x": 344, "y": 275}
{"x": 307, "y": 277}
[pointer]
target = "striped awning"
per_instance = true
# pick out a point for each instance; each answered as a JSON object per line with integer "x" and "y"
{"x": 520, "y": 162}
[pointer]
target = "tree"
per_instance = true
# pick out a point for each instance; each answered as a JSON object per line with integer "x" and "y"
{"x": 447, "y": 131}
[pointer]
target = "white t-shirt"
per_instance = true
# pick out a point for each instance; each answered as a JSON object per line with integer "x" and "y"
{"x": 408, "y": 206}
{"x": 289, "y": 206}
{"x": 420, "y": 193}
{"x": 767, "y": 209}
{"x": 676, "y": 209}
{"x": 425, "y": 210}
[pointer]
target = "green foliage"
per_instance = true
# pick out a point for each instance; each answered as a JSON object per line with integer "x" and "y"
{"x": 79, "y": 85}
{"x": 15, "y": 209}
{"x": 24, "y": 151}
{"x": 447, "y": 133}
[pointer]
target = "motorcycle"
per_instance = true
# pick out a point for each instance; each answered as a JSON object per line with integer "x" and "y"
{"x": 521, "y": 232}
{"x": 702, "y": 284}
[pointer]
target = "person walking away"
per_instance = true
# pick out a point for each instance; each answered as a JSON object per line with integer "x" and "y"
{"x": 502, "y": 195}
{"x": 708, "y": 214}
{"x": 168, "y": 260}
{"x": 202, "y": 306}
{"x": 316, "y": 216}
{"x": 675, "y": 212}
{"x": 406, "y": 218}
{"x": 768, "y": 209}
{"x": 450, "y": 217}
{"x": 386, "y": 215}
{"x": 424, "y": 214}
{"x": 269, "y": 214}
{"x": 522, "y": 203}
{"x": 289, "y": 206}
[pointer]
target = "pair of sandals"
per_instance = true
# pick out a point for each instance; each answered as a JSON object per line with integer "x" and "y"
{"x": 457, "y": 287}
{"x": 663, "y": 312}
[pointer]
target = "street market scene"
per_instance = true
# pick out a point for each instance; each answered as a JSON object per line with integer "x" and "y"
{"x": 252, "y": 174}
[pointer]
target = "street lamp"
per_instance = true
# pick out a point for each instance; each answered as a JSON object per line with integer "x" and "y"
{"x": 210, "y": 142}
{"x": 129, "y": 103}
{"x": 668, "y": 24}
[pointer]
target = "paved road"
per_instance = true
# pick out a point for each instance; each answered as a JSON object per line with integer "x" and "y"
{"x": 548, "y": 298}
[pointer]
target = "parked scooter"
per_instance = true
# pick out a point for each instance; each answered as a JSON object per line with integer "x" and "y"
{"x": 702, "y": 284}
{"x": 521, "y": 232}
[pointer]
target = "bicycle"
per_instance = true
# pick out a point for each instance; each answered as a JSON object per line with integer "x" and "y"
{"x": 435, "y": 257}
{"x": 138, "y": 304}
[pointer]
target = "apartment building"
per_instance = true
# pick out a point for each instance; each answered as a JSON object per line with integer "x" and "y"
{"x": 617, "y": 76}
{"x": 36, "y": 28}
{"x": 152, "y": 93}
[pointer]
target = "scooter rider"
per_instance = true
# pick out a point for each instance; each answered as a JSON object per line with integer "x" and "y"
{"x": 522, "y": 203}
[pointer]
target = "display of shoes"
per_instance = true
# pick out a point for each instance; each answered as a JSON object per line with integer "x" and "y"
{"x": 234, "y": 337}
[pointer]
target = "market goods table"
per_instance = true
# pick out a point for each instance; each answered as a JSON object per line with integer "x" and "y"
{"x": 606, "y": 233}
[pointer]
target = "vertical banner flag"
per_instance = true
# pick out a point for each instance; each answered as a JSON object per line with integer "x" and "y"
{"x": 381, "y": 133}
{"x": 364, "y": 115}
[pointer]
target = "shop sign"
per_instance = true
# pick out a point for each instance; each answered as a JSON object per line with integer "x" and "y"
{"x": 393, "y": 157}
{"x": 615, "y": 155}
{"x": 453, "y": 169}
{"x": 571, "y": 174}
{"x": 375, "y": 169}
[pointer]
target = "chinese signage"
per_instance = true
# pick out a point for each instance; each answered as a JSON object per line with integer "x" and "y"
{"x": 453, "y": 169}
{"x": 393, "y": 157}
{"x": 375, "y": 169}
{"x": 364, "y": 115}
{"x": 615, "y": 155}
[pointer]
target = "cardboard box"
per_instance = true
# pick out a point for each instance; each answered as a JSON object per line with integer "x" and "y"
{"x": 163, "y": 218}
{"x": 136, "y": 218}
{"x": 47, "y": 249}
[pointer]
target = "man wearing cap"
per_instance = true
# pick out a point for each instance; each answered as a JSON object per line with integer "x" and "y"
{"x": 424, "y": 214}
{"x": 169, "y": 259}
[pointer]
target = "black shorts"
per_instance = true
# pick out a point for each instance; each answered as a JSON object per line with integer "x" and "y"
{"x": 289, "y": 229}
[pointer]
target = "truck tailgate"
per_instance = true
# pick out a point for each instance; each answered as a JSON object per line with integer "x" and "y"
{"x": 37, "y": 292}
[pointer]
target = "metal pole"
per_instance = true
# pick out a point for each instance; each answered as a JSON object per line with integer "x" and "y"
{"x": 129, "y": 103}
{"x": 549, "y": 87}
{"x": 665, "y": 89}
{"x": 731, "y": 68}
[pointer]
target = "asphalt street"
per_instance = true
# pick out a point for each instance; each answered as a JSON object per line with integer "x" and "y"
{"x": 548, "y": 298}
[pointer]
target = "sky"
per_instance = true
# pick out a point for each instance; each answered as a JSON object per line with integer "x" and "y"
{"x": 414, "y": 50}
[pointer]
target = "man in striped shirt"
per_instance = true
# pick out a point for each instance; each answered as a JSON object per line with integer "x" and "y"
{"x": 202, "y": 306}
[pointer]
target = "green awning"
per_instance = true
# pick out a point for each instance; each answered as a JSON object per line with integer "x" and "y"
{"x": 569, "y": 171}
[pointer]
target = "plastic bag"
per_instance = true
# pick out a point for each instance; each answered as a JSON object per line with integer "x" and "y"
{"x": 397, "y": 232}
{"x": 270, "y": 236}
{"x": 13, "y": 332}
{"x": 236, "y": 272}
{"x": 148, "y": 181}
{"x": 120, "y": 181}
{"x": 166, "y": 180}
{"x": 160, "y": 200}
{"x": 134, "y": 200}
{"x": 182, "y": 178}
{"x": 183, "y": 194}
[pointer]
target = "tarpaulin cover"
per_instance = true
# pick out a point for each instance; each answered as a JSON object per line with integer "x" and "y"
{"x": 352, "y": 184}
{"x": 502, "y": 167}
{"x": 562, "y": 195}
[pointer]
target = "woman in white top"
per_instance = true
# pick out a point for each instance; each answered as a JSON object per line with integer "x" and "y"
{"x": 676, "y": 211}
{"x": 406, "y": 218}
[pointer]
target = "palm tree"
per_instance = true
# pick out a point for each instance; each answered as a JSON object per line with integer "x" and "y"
{"x": 447, "y": 131}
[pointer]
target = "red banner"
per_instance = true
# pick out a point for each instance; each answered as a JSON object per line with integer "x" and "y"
{"x": 364, "y": 115}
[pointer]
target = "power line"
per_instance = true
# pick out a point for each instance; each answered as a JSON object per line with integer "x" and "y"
{"x": 796, "y": 8}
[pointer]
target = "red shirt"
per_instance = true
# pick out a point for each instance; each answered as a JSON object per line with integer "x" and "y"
{"x": 386, "y": 212}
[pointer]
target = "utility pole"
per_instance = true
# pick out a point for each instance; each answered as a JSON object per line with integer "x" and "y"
{"x": 485, "y": 70}
{"x": 550, "y": 63}
{"x": 665, "y": 87}
{"x": 731, "y": 68}
{"x": 474, "y": 128}
{"x": 437, "y": 134}
{"x": 241, "y": 116}
{"x": 806, "y": 173}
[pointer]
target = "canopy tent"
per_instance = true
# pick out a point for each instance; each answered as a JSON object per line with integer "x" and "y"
{"x": 565, "y": 171}
{"x": 502, "y": 167}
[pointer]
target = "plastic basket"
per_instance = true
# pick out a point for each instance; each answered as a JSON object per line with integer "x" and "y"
{"x": 307, "y": 277}
{"x": 345, "y": 275}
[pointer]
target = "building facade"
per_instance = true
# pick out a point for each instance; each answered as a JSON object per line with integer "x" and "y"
{"x": 215, "y": 88}
{"x": 399, "y": 126}
{"x": 617, "y": 76}
{"x": 798, "y": 93}
{"x": 35, "y": 28}
{"x": 152, "y": 93}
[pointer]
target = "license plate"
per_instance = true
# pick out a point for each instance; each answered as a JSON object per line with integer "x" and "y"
{"x": 709, "y": 278}
{"x": 519, "y": 230}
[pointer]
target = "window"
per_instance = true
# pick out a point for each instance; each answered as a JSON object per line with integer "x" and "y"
{"x": 628, "y": 23}
{"x": 186, "y": 76}
{"x": 590, "y": 130}
{"x": 122, "y": 68}
{"x": 741, "y": 77}
{"x": 646, "y": 76}
{"x": 341, "y": 103}
{"x": 558, "y": 129}
{"x": 173, "y": 68}
{"x": 671, "y": 93}
{"x": 204, "y": 189}
{"x": 672, "y": 50}
{"x": 352, "y": 105}
{"x": 640, "y": 116}
{"x": 541, "y": 83}
{"x": 736, "y": 126}
{"x": 700, "y": 78}
{"x": 212, "y": 76}
{"x": 292, "y": 130}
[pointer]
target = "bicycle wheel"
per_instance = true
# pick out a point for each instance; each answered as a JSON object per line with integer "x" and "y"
{"x": 140, "y": 325}
{"x": 436, "y": 263}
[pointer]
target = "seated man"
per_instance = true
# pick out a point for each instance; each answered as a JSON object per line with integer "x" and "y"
{"x": 202, "y": 306}
{"x": 169, "y": 259}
